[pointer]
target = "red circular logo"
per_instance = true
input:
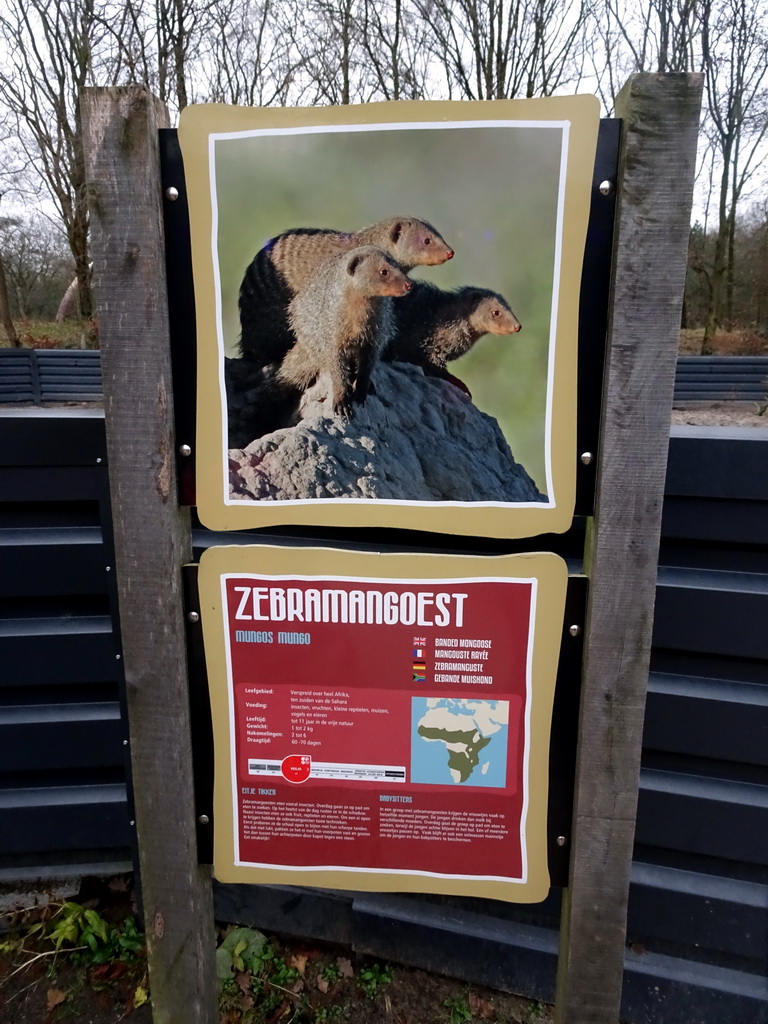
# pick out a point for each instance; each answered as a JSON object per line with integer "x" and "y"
{"x": 296, "y": 767}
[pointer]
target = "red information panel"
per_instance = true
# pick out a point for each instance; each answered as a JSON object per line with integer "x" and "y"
{"x": 380, "y": 725}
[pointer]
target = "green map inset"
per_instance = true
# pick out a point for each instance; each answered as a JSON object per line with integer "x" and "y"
{"x": 459, "y": 741}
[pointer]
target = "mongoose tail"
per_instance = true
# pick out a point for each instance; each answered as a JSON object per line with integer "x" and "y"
{"x": 342, "y": 320}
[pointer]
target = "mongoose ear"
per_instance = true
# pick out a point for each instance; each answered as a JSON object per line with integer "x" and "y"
{"x": 354, "y": 263}
{"x": 397, "y": 230}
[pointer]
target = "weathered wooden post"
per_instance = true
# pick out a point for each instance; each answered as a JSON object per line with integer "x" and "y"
{"x": 656, "y": 173}
{"x": 152, "y": 541}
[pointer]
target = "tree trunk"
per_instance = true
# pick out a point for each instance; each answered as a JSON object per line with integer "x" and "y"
{"x": 5, "y": 311}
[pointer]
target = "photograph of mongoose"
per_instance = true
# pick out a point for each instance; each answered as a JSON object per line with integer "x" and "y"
{"x": 283, "y": 267}
{"x": 356, "y": 267}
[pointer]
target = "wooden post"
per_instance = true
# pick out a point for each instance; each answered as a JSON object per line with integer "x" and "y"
{"x": 152, "y": 541}
{"x": 656, "y": 173}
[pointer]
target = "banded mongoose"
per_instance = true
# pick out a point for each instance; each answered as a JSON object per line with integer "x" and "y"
{"x": 342, "y": 319}
{"x": 433, "y": 326}
{"x": 284, "y": 265}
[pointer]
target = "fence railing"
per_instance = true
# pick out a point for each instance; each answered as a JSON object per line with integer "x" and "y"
{"x": 74, "y": 375}
{"x": 50, "y": 375}
{"x": 721, "y": 378}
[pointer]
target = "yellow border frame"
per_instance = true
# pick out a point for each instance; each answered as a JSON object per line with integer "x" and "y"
{"x": 552, "y": 575}
{"x": 507, "y": 521}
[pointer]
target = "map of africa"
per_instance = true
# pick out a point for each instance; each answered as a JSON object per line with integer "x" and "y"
{"x": 459, "y": 741}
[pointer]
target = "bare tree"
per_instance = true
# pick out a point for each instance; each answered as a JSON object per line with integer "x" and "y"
{"x": 252, "y": 58}
{"x": 48, "y": 57}
{"x": 492, "y": 49}
{"x": 735, "y": 48}
{"x": 37, "y": 262}
{"x": 396, "y": 43}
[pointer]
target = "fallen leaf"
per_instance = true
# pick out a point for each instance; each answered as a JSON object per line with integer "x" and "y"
{"x": 243, "y": 980}
{"x": 345, "y": 966}
{"x": 55, "y": 996}
{"x": 297, "y": 986}
{"x": 637, "y": 948}
{"x": 322, "y": 983}
{"x": 140, "y": 996}
{"x": 479, "y": 1007}
{"x": 299, "y": 961}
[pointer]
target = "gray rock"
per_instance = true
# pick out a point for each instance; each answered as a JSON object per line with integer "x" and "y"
{"x": 418, "y": 439}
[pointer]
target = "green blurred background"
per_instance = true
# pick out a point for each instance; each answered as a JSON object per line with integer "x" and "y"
{"x": 490, "y": 191}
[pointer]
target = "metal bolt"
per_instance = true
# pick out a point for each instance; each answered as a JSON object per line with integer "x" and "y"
{"x": 132, "y": 823}
{"x": 185, "y": 450}
{"x": 171, "y": 194}
{"x": 606, "y": 188}
{"x": 585, "y": 458}
{"x": 125, "y": 743}
{"x": 193, "y": 617}
{"x": 574, "y": 630}
{"x": 98, "y": 462}
{"x": 109, "y": 568}
{"x": 118, "y": 657}
{"x": 561, "y": 840}
{"x": 204, "y": 819}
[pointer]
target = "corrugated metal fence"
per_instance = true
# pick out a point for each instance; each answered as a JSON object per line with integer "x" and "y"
{"x": 72, "y": 375}
{"x": 698, "y": 929}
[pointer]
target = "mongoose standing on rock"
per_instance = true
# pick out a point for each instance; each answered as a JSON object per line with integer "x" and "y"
{"x": 342, "y": 319}
{"x": 433, "y": 326}
{"x": 285, "y": 264}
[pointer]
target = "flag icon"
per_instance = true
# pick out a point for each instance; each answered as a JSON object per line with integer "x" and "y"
{"x": 419, "y": 674}
{"x": 418, "y": 653}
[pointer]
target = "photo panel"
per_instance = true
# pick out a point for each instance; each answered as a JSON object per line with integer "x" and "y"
{"x": 387, "y": 306}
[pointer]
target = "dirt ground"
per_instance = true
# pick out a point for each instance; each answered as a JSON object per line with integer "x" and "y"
{"x": 264, "y": 979}
{"x": 722, "y": 414}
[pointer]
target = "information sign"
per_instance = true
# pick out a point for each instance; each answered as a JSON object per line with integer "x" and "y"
{"x": 381, "y": 722}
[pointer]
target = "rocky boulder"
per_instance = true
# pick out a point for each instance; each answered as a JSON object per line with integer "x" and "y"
{"x": 417, "y": 438}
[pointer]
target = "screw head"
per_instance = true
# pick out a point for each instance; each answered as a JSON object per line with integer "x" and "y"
{"x": 204, "y": 819}
{"x": 118, "y": 657}
{"x": 98, "y": 462}
{"x": 606, "y": 188}
{"x": 585, "y": 458}
{"x": 171, "y": 194}
{"x": 125, "y": 743}
{"x": 561, "y": 840}
{"x": 185, "y": 450}
{"x": 574, "y": 630}
{"x": 193, "y": 617}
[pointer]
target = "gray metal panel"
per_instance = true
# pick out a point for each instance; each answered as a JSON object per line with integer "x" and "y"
{"x": 64, "y": 801}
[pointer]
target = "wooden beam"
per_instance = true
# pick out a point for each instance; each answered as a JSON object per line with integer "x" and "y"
{"x": 152, "y": 541}
{"x": 655, "y": 188}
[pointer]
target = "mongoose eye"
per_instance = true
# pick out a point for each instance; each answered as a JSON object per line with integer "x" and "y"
{"x": 383, "y": 272}
{"x": 496, "y": 313}
{"x": 427, "y": 240}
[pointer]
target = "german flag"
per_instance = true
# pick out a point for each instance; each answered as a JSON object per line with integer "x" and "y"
{"x": 419, "y": 671}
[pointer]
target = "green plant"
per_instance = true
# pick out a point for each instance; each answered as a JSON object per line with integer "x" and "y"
{"x": 91, "y": 940}
{"x": 458, "y": 1009}
{"x": 331, "y": 972}
{"x": 371, "y": 978}
{"x": 326, "y": 1013}
{"x": 242, "y": 949}
{"x": 536, "y": 1011}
